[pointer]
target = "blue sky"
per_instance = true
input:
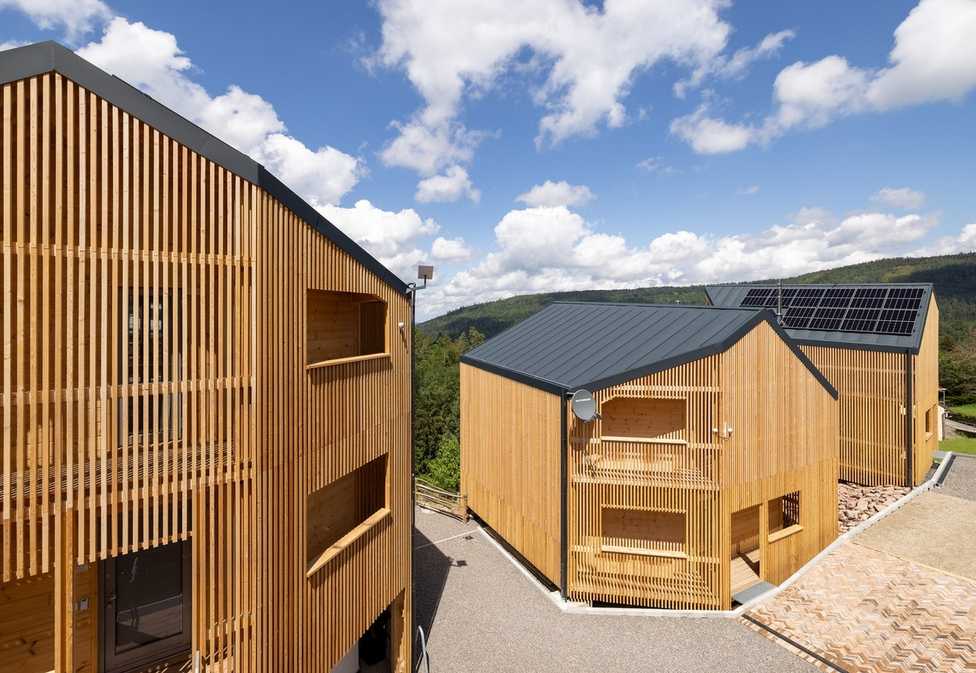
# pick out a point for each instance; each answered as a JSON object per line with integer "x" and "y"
{"x": 682, "y": 141}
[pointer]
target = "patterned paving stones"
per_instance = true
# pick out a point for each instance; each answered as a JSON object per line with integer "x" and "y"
{"x": 888, "y": 601}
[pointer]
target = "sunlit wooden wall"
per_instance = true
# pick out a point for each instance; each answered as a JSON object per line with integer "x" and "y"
{"x": 759, "y": 425}
{"x": 202, "y": 425}
{"x": 873, "y": 395}
{"x": 756, "y": 425}
{"x": 926, "y": 390}
{"x": 510, "y": 472}
{"x": 317, "y": 425}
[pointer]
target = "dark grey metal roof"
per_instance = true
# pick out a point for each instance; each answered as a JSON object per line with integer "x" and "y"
{"x": 732, "y": 296}
{"x": 44, "y": 57}
{"x": 572, "y": 345}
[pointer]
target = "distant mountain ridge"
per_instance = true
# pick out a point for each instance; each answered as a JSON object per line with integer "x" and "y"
{"x": 954, "y": 278}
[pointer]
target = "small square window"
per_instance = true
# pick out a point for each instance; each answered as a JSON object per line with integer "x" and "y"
{"x": 784, "y": 512}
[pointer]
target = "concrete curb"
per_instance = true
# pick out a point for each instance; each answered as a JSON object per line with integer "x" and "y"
{"x": 584, "y": 609}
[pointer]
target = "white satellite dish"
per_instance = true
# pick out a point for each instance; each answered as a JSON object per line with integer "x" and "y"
{"x": 584, "y": 406}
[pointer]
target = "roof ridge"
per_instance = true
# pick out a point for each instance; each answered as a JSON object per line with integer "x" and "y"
{"x": 638, "y": 304}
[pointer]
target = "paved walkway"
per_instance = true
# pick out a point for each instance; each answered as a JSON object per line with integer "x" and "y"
{"x": 483, "y": 614}
{"x": 901, "y": 596}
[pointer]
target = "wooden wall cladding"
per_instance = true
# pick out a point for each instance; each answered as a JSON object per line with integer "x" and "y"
{"x": 926, "y": 389}
{"x": 154, "y": 389}
{"x": 871, "y": 386}
{"x": 873, "y": 395}
{"x": 758, "y": 425}
{"x": 510, "y": 471}
{"x": 785, "y": 439}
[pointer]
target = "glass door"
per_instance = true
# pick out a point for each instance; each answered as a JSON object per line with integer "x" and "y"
{"x": 146, "y": 600}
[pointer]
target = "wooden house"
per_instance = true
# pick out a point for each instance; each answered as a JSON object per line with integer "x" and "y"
{"x": 205, "y": 418}
{"x": 711, "y": 463}
{"x": 878, "y": 344}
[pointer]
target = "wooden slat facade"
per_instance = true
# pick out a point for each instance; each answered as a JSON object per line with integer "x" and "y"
{"x": 509, "y": 479}
{"x": 874, "y": 388}
{"x": 704, "y": 443}
{"x": 154, "y": 390}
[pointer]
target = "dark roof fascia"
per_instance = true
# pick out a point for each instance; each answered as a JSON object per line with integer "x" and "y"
{"x": 793, "y": 344}
{"x": 44, "y": 57}
{"x": 854, "y": 346}
{"x": 520, "y": 377}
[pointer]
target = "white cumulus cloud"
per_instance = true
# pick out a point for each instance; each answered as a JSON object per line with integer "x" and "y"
{"x": 736, "y": 65}
{"x": 456, "y": 49}
{"x": 74, "y": 17}
{"x": 393, "y": 237}
{"x": 152, "y": 61}
{"x": 905, "y": 198}
{"x": 452, "y": 185}
{"x": 560, "y": 193}
{"x": 933, "y": 60}
{"x": 450, "y": 250}
{"x": 546, "y": 249}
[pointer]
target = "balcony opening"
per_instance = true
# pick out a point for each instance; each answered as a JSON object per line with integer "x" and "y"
{"x": 650, "y": 420}
{"x": 784, "y": 516}
{"x": 643, "y": 532}
{"x": 343, "y": 511}
{"x": 343, "y": 327}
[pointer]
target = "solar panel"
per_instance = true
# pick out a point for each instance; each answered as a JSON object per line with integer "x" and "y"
{"x": 868, "y": 310}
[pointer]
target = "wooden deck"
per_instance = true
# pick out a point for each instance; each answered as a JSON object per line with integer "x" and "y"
{"x": 745, "y": 571}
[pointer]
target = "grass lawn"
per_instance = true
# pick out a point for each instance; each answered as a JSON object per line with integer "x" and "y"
{"x": 964, "y": 410}
{"x": 959, "y": 445}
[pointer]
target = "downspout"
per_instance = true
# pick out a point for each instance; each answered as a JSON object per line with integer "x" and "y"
{"x": 413, "y": 465}
{"x": 909, "y": 420}
{"x": 563, "y": 498}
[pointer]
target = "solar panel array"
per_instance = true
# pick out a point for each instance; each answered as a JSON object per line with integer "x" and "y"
{"x": 868, "y": 310}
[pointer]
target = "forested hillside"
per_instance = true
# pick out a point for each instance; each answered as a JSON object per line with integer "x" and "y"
{"x": 441, "y": 341}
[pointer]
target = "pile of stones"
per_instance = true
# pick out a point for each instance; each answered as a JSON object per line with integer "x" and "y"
{"x": 856, "y": 503}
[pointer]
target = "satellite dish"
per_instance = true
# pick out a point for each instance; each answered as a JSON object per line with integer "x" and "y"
{"x": 584, "y": 406}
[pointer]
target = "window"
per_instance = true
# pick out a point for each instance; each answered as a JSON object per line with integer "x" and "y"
{"x": 343, "y": 327}
{"x": 784, "y": 516}
{"x": 654, "y": 420}
{"x": 151, "y": 354}
{"x": 344, "y": 510}
{"x": 146, "y": 606}
{"x": 644, "y": 532}
{"x": 930, "y": 416}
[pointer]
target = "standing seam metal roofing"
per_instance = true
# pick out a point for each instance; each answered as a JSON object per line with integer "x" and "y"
{"x": 44, "y": 57}
{"x": 572, "y": 345}
{"x": 731, "y": 296}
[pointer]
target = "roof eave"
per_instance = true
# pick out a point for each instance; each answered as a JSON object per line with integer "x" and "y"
{"x": 520, "y": 377}
{"x": 45, "y": 57}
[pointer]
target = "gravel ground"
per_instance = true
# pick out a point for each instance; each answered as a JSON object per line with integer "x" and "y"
{"x": 960, "y": 481}
{"x": 934, "y": 529}
{"x": 482, "y": 614}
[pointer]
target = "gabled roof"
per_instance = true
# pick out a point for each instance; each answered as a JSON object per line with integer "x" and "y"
{"x": 44, "y": 57}
{"x": 572, "y": 345}
{"x": 866, "y": 336}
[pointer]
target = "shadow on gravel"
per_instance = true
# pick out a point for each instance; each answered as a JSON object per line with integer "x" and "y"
{"x": 430, "y": 569}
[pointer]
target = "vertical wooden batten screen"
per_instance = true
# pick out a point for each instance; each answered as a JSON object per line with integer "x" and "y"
{"x": 153, "y": 386}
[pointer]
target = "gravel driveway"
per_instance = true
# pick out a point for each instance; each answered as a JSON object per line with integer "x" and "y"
{"x": 482, "y": 613}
